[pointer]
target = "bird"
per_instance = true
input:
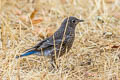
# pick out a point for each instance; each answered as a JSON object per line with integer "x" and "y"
{"x": 58, "y": 44}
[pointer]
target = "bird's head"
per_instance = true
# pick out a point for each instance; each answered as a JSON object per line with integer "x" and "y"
{"x": 72, "y": 21}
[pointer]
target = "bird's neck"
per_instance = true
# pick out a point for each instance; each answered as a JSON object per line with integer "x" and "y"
{"x": 67, "y": 30}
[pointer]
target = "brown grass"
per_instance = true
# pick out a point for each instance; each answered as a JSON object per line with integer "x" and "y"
{"x": 94, "y": 55}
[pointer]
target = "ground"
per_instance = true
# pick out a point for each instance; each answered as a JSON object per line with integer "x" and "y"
{"x": 95, "y": 53}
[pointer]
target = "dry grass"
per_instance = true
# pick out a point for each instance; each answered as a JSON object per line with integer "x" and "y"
{"x": 94, "y": 55}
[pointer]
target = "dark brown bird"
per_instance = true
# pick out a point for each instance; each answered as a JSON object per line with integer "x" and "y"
{"x": 59, "y": 43}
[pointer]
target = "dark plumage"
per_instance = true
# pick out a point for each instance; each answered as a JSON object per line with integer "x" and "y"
{"x": 57, "y": 44}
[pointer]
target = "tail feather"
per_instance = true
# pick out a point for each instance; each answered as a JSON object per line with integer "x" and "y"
{"x": 27, "y": 53}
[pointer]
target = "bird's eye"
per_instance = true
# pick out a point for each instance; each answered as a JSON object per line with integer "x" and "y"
{"x": 73, "y": 21}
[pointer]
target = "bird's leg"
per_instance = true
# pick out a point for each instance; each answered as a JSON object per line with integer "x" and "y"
{"x": 53, "y": 66}
{"x": 53, "y": 63}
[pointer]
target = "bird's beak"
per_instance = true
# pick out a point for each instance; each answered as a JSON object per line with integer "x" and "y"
{"x": 80, "y": 20}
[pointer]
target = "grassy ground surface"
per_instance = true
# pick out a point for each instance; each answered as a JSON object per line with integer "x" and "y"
{"x": 95, "y": 52}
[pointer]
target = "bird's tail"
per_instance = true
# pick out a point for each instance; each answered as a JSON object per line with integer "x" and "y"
{"x": 27, "y": 53}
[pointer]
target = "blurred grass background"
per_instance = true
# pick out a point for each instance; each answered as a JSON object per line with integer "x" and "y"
{"x": 94, "y": 55}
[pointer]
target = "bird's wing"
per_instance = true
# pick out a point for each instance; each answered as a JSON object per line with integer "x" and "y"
{"x": 41, "y": 43}
{"x": 50, "y": 43}
{"x": 36, "y": 46}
